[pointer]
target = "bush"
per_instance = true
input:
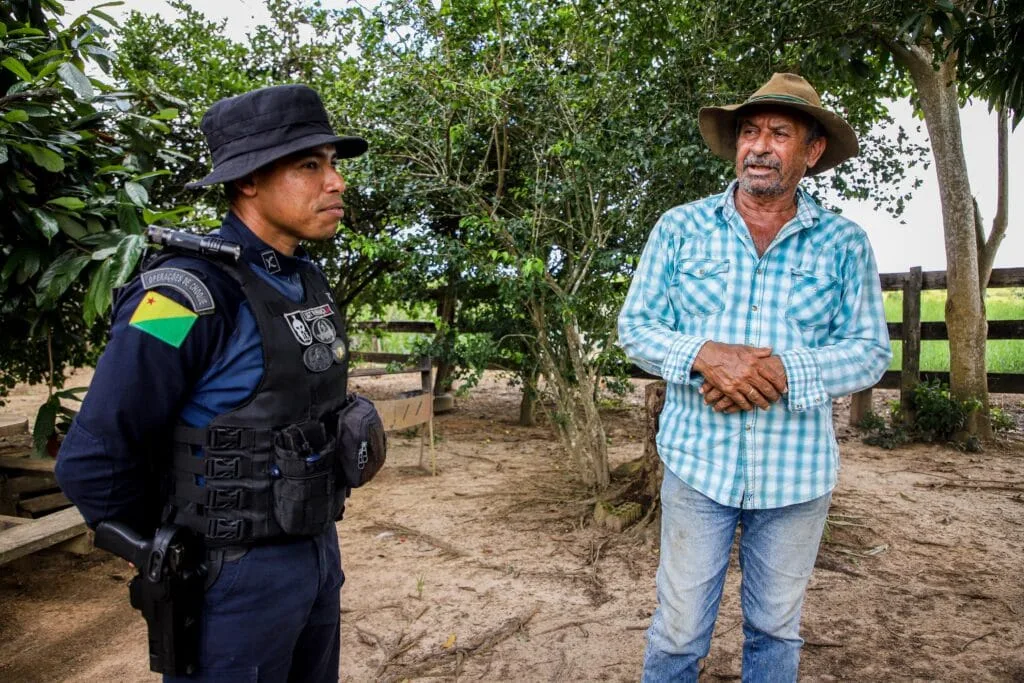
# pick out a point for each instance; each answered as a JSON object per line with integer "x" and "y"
{"x": 937, "y": 415}
{"x": 1002, "y": 421}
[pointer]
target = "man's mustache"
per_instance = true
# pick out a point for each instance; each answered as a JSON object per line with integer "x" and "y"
{"x": 764, "y": 160}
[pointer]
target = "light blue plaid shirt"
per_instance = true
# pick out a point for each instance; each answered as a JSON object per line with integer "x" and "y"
{"x": 813, "y": 297}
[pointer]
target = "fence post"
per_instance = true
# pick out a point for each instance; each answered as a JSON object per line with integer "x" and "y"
{"x": 860, "y": 405}
{"x": 910, "y": 373}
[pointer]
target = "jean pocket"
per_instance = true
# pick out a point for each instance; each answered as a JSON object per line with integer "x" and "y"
{"x": 222, "y": 587}
{"x": 700, "y": 286}
{"x": 813, "y": 298}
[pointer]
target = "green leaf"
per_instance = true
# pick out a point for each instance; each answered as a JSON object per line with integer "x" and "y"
{"x": 128, "y": 253}
{"x": 76, "y": 80}
{"x": 56, "y": 279}
{"x": 97, "y": 298}
{"x": 16, "y": 116}
{"x": 17, "y": 68}
{"x": 46, "y": 223}
{"x": 128, "y": 218}
{"x": 69, "y": 203}
{"x": 168, "y": 114}
{"x": 44, "y": 426}
{"x": 23, "y": 263}
{"x": 43, "y": 156}
{"x": 137, "y": 193}
{"x": 70, "y": 227}
{"x": 151, "y": 174}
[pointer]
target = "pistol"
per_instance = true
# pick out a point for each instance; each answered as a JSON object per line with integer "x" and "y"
{"x": 168, "y": 590}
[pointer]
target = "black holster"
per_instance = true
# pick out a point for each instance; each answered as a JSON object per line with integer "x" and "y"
{"x": 168, "y": 590}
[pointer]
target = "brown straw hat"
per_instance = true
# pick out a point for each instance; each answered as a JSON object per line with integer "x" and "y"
{"x": 718, "y": 124}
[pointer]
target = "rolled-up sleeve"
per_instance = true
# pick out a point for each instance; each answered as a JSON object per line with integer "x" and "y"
{"x": 647, "y": 321}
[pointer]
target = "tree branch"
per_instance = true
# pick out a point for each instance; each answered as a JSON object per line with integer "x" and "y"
{"x": 987, "y": 249}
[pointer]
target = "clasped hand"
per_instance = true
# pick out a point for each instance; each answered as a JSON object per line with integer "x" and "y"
{"x": 739, "y": 377}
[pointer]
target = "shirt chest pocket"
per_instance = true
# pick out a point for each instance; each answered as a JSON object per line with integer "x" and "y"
{"x": 813, "y": 298}
{"x": 700, "y": 286}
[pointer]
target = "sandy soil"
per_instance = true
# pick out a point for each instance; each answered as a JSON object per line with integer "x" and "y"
{"x": 493, "y": 570}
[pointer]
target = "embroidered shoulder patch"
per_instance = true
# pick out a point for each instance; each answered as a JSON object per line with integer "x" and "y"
{"x": 163, "y": 318}
{"x": 185, "y": 283}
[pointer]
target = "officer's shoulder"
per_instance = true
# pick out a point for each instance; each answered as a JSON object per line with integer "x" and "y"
{"x": 197, "y": 283}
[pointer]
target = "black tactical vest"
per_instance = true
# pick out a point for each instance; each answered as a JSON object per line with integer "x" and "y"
{"x": 267, "y": 469}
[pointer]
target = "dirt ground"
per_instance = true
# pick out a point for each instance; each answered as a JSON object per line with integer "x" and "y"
{"x": 493, "y": 569}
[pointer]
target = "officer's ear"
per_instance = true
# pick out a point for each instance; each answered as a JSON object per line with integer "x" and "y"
{"x": 243, "y": 187}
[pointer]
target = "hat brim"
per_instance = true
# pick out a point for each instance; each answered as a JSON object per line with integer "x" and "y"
{"x": 242, "y": 165}
{"x": 718, "y": 128}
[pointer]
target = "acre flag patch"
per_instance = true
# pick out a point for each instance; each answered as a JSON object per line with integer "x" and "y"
{"x": 165, "y": 319}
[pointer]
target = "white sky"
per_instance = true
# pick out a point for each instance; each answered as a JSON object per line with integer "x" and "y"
{"x": 917, "y": 241}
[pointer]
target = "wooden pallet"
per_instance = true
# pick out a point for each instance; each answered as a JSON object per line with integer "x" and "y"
{"x": 34, "y": 514}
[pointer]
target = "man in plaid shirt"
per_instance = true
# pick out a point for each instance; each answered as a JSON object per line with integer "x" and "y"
{"x": 757, "y": 307}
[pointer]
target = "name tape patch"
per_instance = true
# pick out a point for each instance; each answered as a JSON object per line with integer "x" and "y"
{"x": 183, "y": 282}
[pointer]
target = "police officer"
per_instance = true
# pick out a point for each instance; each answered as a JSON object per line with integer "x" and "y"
{"x": 214, "y": 404}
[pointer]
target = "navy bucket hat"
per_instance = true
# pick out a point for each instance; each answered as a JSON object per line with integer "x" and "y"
{"x": 249, "y": 131}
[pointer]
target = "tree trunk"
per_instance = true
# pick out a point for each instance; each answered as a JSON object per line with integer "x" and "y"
{"x": 528, "y": 402}
{"x": 571, "y": 380}
{"x": 446, "y": 305}
{"x": 965, "y": 308}
{"x": 650, "y": 471}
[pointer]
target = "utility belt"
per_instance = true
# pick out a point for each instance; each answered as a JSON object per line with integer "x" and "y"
{"x": 250, "y": 485}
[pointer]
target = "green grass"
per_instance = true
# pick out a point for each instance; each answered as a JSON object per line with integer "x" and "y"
{"x": 1003, "y": 355}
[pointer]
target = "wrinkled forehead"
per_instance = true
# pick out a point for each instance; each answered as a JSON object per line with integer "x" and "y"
{"x": 766, "y": 114}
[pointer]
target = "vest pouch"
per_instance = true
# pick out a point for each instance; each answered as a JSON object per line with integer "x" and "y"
{"x": 304, "y": 490}
{"x": 362, "y": 444}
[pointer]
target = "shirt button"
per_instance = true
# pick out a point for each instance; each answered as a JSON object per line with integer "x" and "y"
{"x": 753, "y": 308}
{"x": 749, "y": 428}
{"x": 760, "y": 269}
{"x": 700, "y": 272}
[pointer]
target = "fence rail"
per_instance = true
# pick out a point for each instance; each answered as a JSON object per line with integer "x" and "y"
{"x": 912, "y": 331}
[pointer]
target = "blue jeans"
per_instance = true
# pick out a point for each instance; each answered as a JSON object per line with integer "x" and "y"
{"x": 274, "y": 615}
{"x": 777, "y": 552}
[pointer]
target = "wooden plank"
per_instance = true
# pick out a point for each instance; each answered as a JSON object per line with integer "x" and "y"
{"x": 42, "y": 465}
{"x": 42, "y": 533}
{"x": 7, "y": 521}
{"x": 12, "y": 425}
{"x": 20, "y": 487}
{"x": 997, "y": 329}
{"x": 403, "y": 413}
{"x": 413, "y": 326}
{"x": 998, "y": 382}
{"x": 14, "y": 521}
{"x": 79, "y": 545}
{"x": 936, "y": 279}
{"x": 42, "y": 504}
{"x": 378, "y": 372}
{"x": 374, "y": 357}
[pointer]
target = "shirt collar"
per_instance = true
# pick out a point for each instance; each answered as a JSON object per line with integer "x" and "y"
{"x": 258, "y": 252}
{"x": 808, "y": 213}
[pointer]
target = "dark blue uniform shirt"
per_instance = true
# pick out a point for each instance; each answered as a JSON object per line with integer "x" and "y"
{"x": 109, "y": 462}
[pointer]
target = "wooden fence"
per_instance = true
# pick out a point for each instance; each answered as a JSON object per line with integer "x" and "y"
{"x": 912, "y": 331}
